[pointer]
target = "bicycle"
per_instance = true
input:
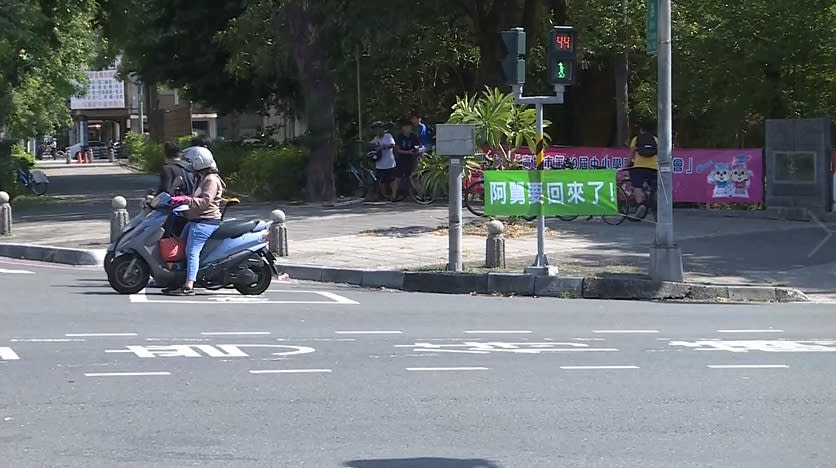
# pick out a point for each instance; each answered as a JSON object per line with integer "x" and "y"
{"x": 473, "y": 191}
{"x": 626, "y": 186}
{"x": 36, "y": 181}
{"x": 415, "y": 185}
{"x": 364, "y": 178}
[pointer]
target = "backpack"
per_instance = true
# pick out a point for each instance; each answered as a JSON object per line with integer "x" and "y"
{"x": 183, "y": 181}
{"x": 646, "y": 145}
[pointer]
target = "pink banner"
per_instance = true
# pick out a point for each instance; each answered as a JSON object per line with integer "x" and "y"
{"x": 699, "y": 175}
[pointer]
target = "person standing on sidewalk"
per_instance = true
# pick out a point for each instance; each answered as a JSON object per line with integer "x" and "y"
{"x": 407, "y": 153}
{"x": 644, "y": 164}
{"x": 384, "y": 163}
{"x": 423, "y": 132}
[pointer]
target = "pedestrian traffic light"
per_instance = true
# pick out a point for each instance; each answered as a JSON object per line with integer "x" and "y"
{"x": 512, "y": 56}
{"x": 562, "y": 54}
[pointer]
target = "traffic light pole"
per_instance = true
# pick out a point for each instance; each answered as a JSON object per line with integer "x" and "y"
{"x": 665, "y": 256}
{"x": 541, "y": 262}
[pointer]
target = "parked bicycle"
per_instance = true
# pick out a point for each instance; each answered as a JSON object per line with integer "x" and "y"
{"x": 364, "y": 179}
{"x": 36, "y": 181}
{"x": 474, "y": 188}
{"x": 414, "y": 184}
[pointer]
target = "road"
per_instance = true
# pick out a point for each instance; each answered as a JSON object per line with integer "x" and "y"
{"x": 326, "y": 376}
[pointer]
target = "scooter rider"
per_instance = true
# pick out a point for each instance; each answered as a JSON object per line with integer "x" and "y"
{"x": 204, "y": 213}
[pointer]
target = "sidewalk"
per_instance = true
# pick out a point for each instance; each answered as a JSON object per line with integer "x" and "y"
{"x": 385, "y": 236}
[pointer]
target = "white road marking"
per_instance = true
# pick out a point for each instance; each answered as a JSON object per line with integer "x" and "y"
{"x": 597, "y": 367}
{"x": 315, "y": 339}
{"x": 589, "y": 339}
{"x": 8, "y": 354}
{"x": 445, "y": 368}
{"x": 751, "y": 331}
{"x": 45, "y": 340}
{"x": 477, "y": 347}
{"x": 748, "y": 366}
{"x": 498, "y": 332}
{"x": 50, "y": 265}
{"x": 369, "y": 332}
{"x": 625, "y": 331}
{"x": 211, "y": 298}
{"x": 17, "y": 272}
{"x": 98, "y": 334}
{"x": 290, "y": 371}
{"x": 234, "y": 333}
{"x": 124, "y": 374}
{"x": 770, "y": 346}
{"x": 194, "y": 351}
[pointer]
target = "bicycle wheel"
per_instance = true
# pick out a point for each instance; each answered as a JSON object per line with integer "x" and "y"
{"x": 417, "y": 190}
{"x": 474, "y": 198}
{"x": 38, "y": 188}
{"x": 567, "y": 218}
{"x": 623, "y": 203}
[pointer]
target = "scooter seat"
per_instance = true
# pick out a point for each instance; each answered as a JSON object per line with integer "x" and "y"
{"x": 234, "y": 228}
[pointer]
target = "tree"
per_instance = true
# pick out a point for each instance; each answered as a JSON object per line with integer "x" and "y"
{"x": 45, "y": 46}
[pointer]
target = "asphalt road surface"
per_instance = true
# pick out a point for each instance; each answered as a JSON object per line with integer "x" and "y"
{"x": 325, "y": 376}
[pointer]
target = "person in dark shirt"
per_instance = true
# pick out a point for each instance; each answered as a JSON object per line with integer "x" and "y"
{"x": 174, "y": 175}
{"x": 423, "y": 132}
{"x": 406, "y": 151}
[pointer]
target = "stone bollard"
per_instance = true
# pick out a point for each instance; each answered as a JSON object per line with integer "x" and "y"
{"x": 120, "y": 217}
{"x": 278, "y": 234}
{"x": 495, "y": 245}
{"x": 68, "y": 155}
{"x": 5, "y": 215}
{"x": 111, "y": 154}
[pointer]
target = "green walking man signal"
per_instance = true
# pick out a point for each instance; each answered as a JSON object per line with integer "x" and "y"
{"x": 562, "y": 55}
{"x": 512, "y": 56}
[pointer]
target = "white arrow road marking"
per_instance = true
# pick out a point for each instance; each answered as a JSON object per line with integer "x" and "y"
{"x": 17, "y": 272}
{"x": 8, "y": 354}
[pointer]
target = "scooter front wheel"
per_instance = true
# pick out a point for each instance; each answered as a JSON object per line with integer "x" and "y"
{"x": 264, "y": 276}
{"x": 129, "y": 274}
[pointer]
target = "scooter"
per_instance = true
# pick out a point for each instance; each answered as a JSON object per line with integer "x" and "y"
{"x": 236, "y": 254}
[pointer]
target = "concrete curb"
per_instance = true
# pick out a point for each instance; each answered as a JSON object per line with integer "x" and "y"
{"x": 50, "y": 254}
{"x": 517, "y": 284}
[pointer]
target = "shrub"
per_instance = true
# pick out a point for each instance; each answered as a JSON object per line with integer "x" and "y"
{"x": 272, "y": 173}
{"x": 19, "y": 158}
{"x": 134, "y": 144}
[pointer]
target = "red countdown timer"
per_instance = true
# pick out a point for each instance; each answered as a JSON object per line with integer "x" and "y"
{"x": 563, "y": 41}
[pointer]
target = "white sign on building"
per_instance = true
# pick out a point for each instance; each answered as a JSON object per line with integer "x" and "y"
{"x": 104, "y": 91}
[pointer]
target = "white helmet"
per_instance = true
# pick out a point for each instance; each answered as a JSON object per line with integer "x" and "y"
{"x": 200, "y": 158}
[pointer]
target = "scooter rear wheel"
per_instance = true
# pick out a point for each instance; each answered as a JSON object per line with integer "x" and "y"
{"x": 264, "y": 275}
{"x": 130, "y": 274}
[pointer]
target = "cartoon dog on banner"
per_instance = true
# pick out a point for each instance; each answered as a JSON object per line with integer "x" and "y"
{"x": 731, "y": 180}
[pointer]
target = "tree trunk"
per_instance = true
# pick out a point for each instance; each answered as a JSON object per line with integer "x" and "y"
{"x": 320, "y": 92}
{"x": 489, "y": 17}
{"x": 621, "y": 68}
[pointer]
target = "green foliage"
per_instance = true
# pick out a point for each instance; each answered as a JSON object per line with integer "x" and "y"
{"x": 434, "y": 171}
{"x": 8, "y": 169}
{"x": 45, "y": 47}
{"x": 273, "y": 173}
{"x": 134, "y": 146}
{"x": 500, "y": 122}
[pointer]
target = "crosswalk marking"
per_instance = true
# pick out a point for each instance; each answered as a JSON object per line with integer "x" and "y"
{"x": 8, "y": 354}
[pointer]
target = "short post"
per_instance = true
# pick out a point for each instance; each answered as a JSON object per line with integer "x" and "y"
{"x": 495, "y": 245}
{"x": 111, "y": 154}
{"x": 5, "y": 215}
{"x": 278, "y": 234}
{"x": 69, "y": 155}
{"x": 119, "y": 218}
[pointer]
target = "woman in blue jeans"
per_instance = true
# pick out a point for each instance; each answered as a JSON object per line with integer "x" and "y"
{"x": 204, "y": 213}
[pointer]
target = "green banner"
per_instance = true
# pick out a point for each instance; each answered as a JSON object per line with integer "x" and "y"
{"x": 551, "y": 193}
{"x": 652, "y": 27}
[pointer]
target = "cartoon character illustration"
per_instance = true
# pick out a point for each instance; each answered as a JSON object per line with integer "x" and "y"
{"x": 741, "y": 177}
{"x": 720, "y": 178}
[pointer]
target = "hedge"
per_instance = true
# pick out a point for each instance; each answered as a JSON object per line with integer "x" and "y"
{"x": 8, "y": 169}
{"x": 264, "y": 172}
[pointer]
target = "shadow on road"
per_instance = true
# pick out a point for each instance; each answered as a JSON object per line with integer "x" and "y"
{"x": 422, "y": 463}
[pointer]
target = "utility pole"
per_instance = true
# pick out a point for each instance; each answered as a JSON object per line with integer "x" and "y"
{"x": 141, "y": 102}
{"x": 359, "y": 102}
{"x": 665, "y": 256}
